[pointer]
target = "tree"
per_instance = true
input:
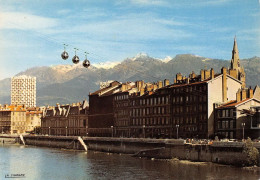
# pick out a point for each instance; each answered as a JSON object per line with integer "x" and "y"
{"x": 251, "y": 152}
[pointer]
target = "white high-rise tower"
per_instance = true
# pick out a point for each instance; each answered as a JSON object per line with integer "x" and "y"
{"x": 23, "y": 91}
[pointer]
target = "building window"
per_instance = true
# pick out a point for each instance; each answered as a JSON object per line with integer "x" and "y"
{"x": 231, "y": 135}
{"x": 223, "y": 113}
{"x": 227, "y": 126}
{"x": 227, "y": 113}
{"x": 219, "y": 113}
{"x": 181, "y": 120}
{"x": 224, "y": 124}
{"x": 219, "y": 125}
{"x": 231, "y": 124}
{"x": 155, "y": 110}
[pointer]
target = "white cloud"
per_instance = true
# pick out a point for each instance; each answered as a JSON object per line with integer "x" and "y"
{"x": 20, "y": 20}
{"x": 131, "y": 28}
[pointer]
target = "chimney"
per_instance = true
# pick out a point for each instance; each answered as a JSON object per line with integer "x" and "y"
{"x": 238, "y": 95}
{"x": 212, "y": 73}
{"x": 224, "y": 84}
{"x": 250, "y": 92}
{"x": 202, "y": 77}
{"x": 123, "y": 88}
{"x": 207, "y": 74}
{"x": 155, "y": 87}
{"x": 243, "y": 94}
{"x": 149, "y": 88}
{"x": 166, "y": 82}
{"x": 178, "y": 77}
{"x": 192, "y": 75}
{"x": 160, "y": 85}
{"x": 139, "y": 85}
{"x": 142, "y": 91}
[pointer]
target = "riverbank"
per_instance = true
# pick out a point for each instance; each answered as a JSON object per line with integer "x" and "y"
{"x": 8, "y": 139}
{"x": 230, "y": 153}
{"x": 50, "y": 163}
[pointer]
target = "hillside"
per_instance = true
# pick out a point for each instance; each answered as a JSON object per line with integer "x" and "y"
{"x": 71, "y": 83}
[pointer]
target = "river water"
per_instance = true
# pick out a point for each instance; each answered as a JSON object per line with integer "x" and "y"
{"x": 29, "y": 162}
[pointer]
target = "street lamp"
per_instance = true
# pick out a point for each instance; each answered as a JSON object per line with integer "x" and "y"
{"x": 49, "y": 130}
{"x": 243, "y": 126}
{"x": 66, "y": 131}
{"x": 177, "y": 127}
{"x": 112, "y": 134}
{"x": 144, "y": 131}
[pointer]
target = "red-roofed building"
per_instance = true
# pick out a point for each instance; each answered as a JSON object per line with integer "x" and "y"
{"x": 232, "y": 120}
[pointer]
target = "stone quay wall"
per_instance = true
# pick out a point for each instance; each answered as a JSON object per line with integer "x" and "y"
{"x": 218, "y": 152}
{"x": 9, "y": 139}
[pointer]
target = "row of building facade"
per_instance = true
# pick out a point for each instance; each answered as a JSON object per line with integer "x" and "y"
{"x": 201, "y": 105}
{"x": 66, "y": 120}
{"x": 191, "y": 107}
{"x": 18, "y": 119}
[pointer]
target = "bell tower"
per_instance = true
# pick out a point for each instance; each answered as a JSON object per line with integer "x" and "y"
{"x": 236, "y": 70}
{"x": 235, "y": 62}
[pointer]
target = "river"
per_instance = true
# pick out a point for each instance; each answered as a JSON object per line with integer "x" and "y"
{"x": 29, "y": 162}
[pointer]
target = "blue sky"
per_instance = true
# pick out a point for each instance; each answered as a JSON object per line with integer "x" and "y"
{"x": 32, "y": 33}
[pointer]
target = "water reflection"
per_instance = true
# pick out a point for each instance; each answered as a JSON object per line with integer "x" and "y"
{"x": 44, "y": 163}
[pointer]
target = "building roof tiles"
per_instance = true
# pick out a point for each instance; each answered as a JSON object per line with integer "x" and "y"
{"x": 233, "y": 103}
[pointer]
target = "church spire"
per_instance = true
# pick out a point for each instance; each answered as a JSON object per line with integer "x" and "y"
{"x": 237, "y": 71}
{"x": 235, "y": 62}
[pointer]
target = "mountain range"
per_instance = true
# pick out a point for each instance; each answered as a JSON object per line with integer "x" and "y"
{"x": 66, "y": 84}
